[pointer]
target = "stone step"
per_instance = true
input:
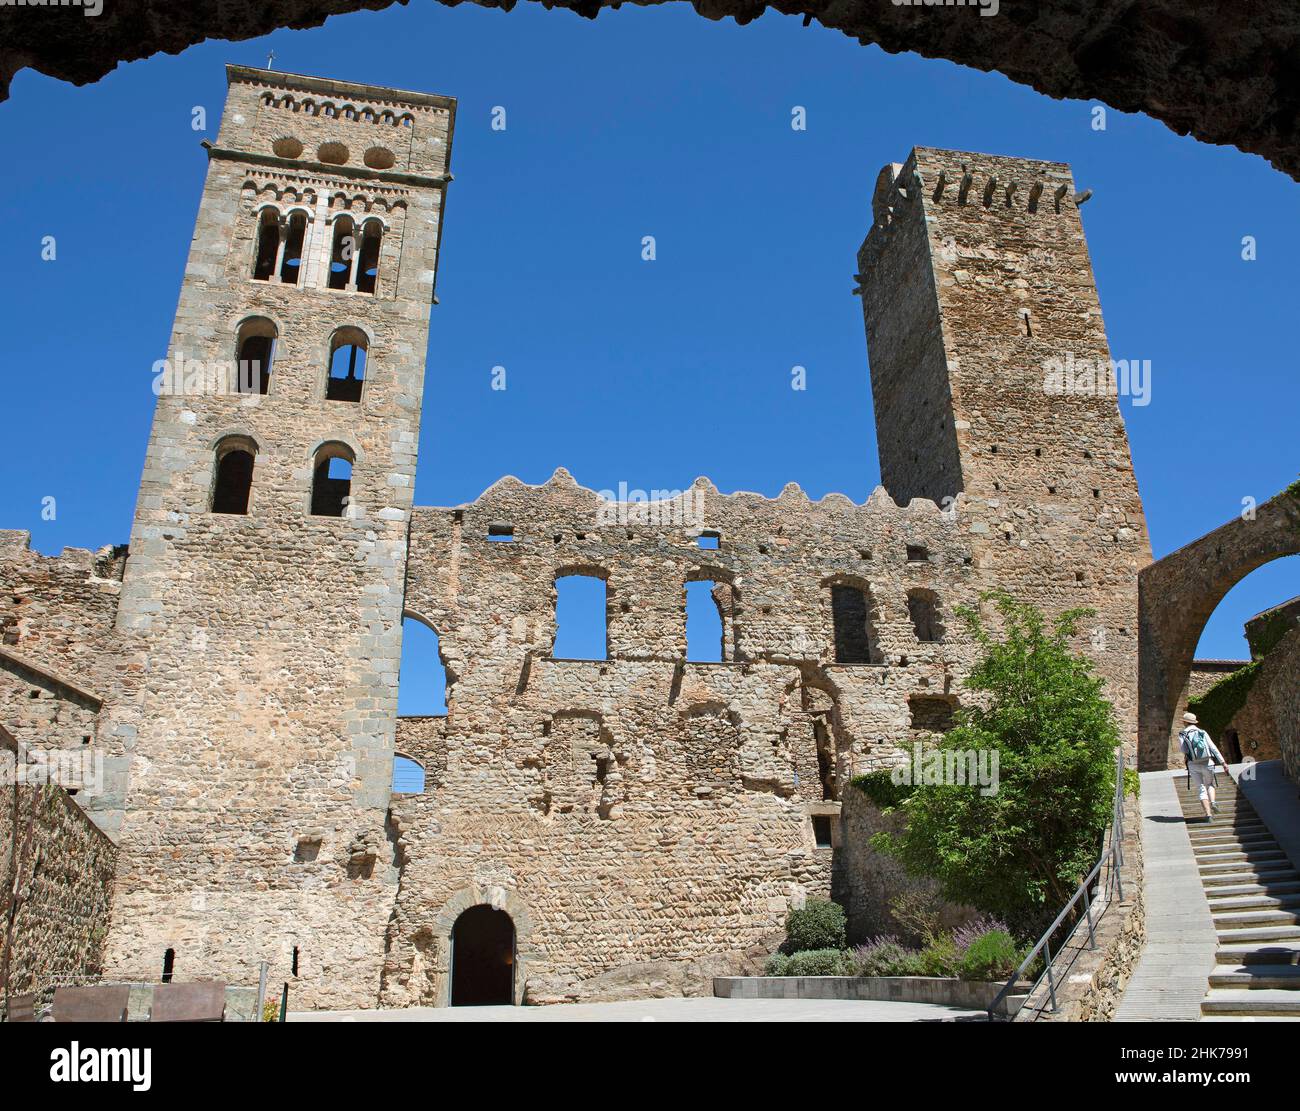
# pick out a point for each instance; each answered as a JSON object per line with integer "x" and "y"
{"x": 1222, "y": 893}
{"x": 1223, "y": 861}
{"x": 1248, "y": 875}
{"x": 1261, "y": 856}
{"x": 1243, "y": 1001}
{"x": 1286, "y": 935}
{"x": 1258, "y": 900}
{"x": 1221, "y": 853}
{"x": 1257, "y": 977}
{"x": 1228, "y": 839}
{"x": 1234, "y": 829}
{"x": 1258, "y": 954}
{"x": 1232, "y": 919}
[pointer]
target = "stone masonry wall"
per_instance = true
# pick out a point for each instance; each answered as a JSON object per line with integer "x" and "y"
{"x": 60, "y": 662}
{"x": 867, "y": 883}
{"x": 269, "y": 642}
{"x": 642, "y": 810}
{"x": 58, "y": 875}
{"x": 1052, "y": 502}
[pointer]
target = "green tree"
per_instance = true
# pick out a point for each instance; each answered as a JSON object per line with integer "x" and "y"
{"x": 1019, "y": 853}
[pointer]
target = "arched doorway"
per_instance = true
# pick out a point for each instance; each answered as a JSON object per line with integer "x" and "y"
{"x": 482, "y": 958}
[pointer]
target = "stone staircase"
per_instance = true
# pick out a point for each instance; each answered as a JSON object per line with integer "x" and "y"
{"x": 1254, "y": 897}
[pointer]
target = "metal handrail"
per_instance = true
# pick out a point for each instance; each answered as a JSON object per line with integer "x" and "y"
{"x": 1113, "y": 854}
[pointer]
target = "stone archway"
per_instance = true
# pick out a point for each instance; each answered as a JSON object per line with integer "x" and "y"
{"x": 1177, "y": 595}
{"x": 1219, "y": 71}
{"x": 482, "y": 958}
{"x": 493, "y": 898}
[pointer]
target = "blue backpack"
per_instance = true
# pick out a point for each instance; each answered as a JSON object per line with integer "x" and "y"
{"x": 1198, "y": 744}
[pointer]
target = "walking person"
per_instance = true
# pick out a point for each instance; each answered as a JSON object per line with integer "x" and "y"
{"x": 1199, "y": 757}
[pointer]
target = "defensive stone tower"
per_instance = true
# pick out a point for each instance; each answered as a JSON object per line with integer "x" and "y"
{"x": 992, "y": 378}
{"x": 263, "y": 600}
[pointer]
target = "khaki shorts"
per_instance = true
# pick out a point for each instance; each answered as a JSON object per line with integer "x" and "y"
{"x": 1202, "y": 775}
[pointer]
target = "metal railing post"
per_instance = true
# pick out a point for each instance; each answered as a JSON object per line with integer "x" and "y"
{"x": 1051, "y": 981}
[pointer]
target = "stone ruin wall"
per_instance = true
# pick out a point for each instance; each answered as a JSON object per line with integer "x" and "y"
{"x": 60, "y": 662}
{"x": 57, "y": 872}
{"x": 697, "y": 838}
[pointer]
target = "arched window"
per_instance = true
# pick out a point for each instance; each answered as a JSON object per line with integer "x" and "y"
{"x": 268, "y": 244}
{"x": 233, "y": 479}
{"x": 372, "y": 236}
{"x": 342, "y": 253}
{"x": 331, "y": 486}
{"x": 254, "y": 353}
{"x": 347, "y": 373}
{"x": 851, "y": 619}
{"x": 408, "y": 776}
{"x": 581, "y": 618}
{"x": 296, "y": 235}
{"x": 422, "y": 679}
{"x": 923, "y": 608}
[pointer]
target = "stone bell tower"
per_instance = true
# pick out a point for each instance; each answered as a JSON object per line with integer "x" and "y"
{"x": 262, "y": 600}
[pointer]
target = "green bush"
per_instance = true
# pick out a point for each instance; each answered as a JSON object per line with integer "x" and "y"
{"x": 820, "y": 962}
{"x": 991, "y": 956}
{"x": 940, "y": 957}
{"x": 1219, "y": 705}
{"x": 1019, "y": 853}
{"x": 776, "y": 965}
{"x": 886, "y": 956}
{"x": 881, "y": 789}
{"x": 811, "y": 962}
{"x": 819, "y": 924}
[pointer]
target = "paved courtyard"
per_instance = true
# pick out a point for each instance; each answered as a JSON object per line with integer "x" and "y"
{"x": 665, "y": 1010}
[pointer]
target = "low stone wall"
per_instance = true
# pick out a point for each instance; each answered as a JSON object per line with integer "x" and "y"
{"x": 58, "y": 875}
{"x": 1090, "y": 981}
{"x": 241, "y": 1003}
{"x": 939, "y": 990}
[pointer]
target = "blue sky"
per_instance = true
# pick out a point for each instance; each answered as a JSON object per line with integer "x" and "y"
{"x": 645, "y": 122}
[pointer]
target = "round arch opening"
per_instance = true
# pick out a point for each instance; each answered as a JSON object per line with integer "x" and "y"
{"x": 483, "y": 958}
